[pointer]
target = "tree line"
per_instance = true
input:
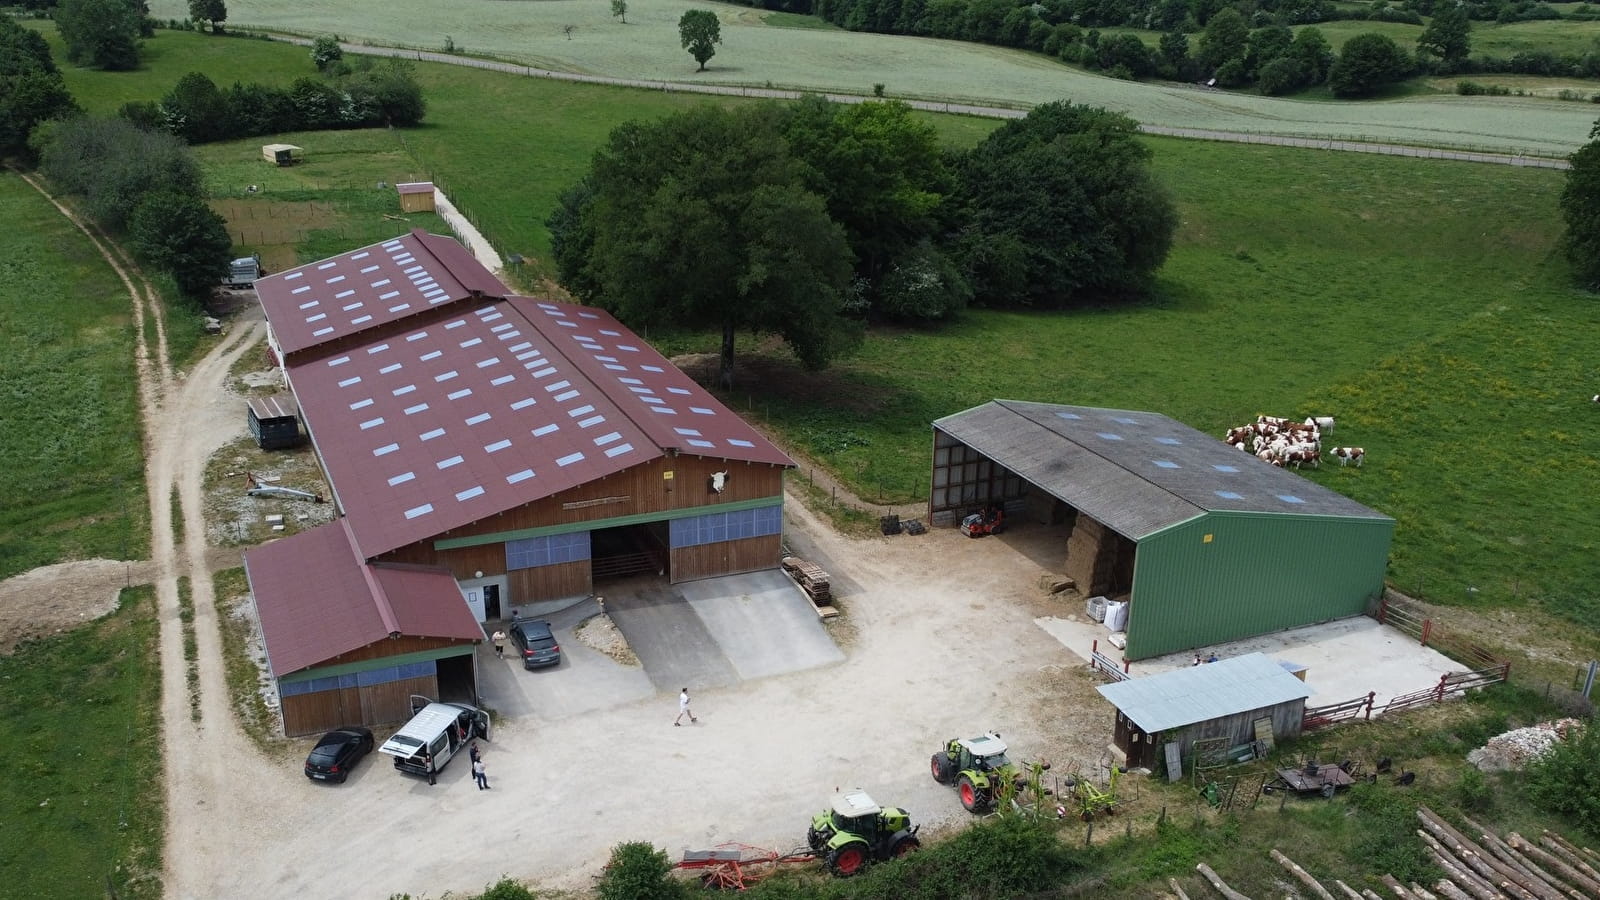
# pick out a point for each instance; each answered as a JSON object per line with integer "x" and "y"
{"x": 807, "y": 219}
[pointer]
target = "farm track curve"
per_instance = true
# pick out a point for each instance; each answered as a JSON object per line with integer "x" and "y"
{"x": 988, "y": 112}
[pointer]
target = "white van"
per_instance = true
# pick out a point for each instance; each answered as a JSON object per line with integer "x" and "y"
{"x": 435, "y": 734}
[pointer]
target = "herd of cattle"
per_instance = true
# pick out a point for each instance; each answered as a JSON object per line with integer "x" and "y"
{"x": 1283, "y": 442}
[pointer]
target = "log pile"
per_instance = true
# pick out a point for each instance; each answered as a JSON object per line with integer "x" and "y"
{"x": 1481, "y": 865}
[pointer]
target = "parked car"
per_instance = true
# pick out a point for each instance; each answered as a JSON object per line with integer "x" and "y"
{"x": 337, "y": 753}
{"x": 536, "y": 642}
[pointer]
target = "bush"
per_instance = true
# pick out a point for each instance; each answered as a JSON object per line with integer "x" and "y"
{"x": 114, "y": 163}
{"x": 1567, "y": 779}
{"x": 1472, "y": 791}
{"x": 180, "y": 234}
{"x": 638, "y": 871}
{"x": 1387, "y": 822}
{"x": 326, "y": 52}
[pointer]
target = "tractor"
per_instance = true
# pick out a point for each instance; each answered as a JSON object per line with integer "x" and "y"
{"x": 855, "y": 831}
{"x": 980, "y": 770}
{"x": 990, "y": 520}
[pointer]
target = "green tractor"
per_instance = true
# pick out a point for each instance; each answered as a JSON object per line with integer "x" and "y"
{"x": 981, "y": 771}
{"x": 855, "y": 831}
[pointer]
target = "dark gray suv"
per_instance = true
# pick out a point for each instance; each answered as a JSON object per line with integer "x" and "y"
{"x": 537, "y": 644}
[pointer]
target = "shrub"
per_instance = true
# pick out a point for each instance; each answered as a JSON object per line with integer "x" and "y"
{"x": 113, "y": 163}
{"x": 1472, "y": 791}
{"x": 638, "y": 871}
{"x": 180, "y": 234}
{"x": 1387, "y": 823}
{"x": 326, "y": 52}
{"x": 1567, "y": 779}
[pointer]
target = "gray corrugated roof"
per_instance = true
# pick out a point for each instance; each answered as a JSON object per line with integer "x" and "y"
{"x": 1136, "y": 472}
{"x": 1205, "y": 692}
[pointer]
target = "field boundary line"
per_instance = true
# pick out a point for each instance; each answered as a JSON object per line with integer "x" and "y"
{"x": 1341, "y": 145}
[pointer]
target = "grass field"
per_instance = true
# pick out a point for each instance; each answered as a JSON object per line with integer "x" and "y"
{"x": 81, "y": 804}
{"x": 1420, "y": 302}
{"x": 755, "y": 53}
{"x": 70, "y": 465}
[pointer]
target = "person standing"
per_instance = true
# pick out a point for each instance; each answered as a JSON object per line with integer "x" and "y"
{"x": 480, "y": 775}
{"x": 472, "y": 751}
{"x": 499, "y": 640}
{"x": 433, "y": 775}
{"x": 683, "y": 708}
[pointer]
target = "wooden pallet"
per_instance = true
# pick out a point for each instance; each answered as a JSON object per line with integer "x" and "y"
{"x": 812, "y": 578}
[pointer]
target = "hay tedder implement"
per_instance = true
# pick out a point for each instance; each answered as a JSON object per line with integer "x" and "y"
{"x": 734, "y": 866}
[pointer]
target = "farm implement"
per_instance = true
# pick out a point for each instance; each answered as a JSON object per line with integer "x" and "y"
{"x": 984, "y": 776}
{"x": 734, "y": 866}
{"x": 1091, "y": 799}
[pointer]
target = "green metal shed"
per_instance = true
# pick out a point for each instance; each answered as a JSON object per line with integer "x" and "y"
{"x": 1207, "y": 543}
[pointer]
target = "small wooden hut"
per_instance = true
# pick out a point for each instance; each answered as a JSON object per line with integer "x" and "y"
{"x": 416, "y": 196}
{"x": 281, "y": 154}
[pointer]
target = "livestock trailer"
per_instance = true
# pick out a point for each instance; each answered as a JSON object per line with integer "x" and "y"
{"x": 281, "y": 154}
{"x": 275, "y": 421}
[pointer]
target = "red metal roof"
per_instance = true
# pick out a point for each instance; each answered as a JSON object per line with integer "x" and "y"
{"x": 317, "y": 599}
{"x": 369, "y": 287}
{"x": 441, "y": 426}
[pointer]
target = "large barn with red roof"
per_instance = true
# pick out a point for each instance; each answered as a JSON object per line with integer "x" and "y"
{"x": 513, "y": 449}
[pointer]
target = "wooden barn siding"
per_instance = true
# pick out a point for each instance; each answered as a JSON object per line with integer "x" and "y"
{"x": 549, "y": 582}
{"x": 390, "y": 647}
{"x": 726, "y": 558}
{"x": 643, "y": 486}
{"x": 1240, "y": 728}
{"x": 308, "y": 714}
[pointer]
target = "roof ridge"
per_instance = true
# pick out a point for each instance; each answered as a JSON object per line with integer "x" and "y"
{"x": 391, "y": 622}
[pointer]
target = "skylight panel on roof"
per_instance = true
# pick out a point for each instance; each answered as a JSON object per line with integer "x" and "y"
{"x": 552, "y": 388}
{"x": 354, "y": 379}
{"x": 1067, "y": 415}
{"x": 386, "y": 449}
{"x": 471, "y": 342}
{"x": 430, "y": 435}
{"x": 328, "y": 265}
{"x": 377, "y": 349}
{"x": 607, "y": 438}
{"x": 687, "y": 432}
{"x": 567, "y": 324}
{"x": 389, "y": 295}
{"x": 392, "y": 367}
{"x": 673, "y": 390}
{"x": 416, "y": 337}
{"x": 316, "y": 318}
{"x": 565, "y": 396}
{"x": 740, "y": 443}
{"x": 652, "y": 368}
{"x": 526, "y": 355}
{"x": 1109, "y": 436}
{"x": 701, "y": 410}
{"x": 413, "y": 410}
{"x": 547, "y": 306}
{"x": 694, "y": 442}
{"x": 515, "y": 477}
{"x": 630, "y": 381}
{"x": 580, "y": 411}
{"x": 1166, "y": 464}
{"x": 656, "y": 400}
{"x": 569, "y": 459}
{"x": 401, "y": 391}
{"x": 616, "y": 368}
{"x": 592, "y": 420}
{"x": 399, "y": 307}
{"x": 360, "y": 320}
{"x": 469, "y": 493}
{"x": 338, "y": 362}
{"x": 402, "y": 478}
{"x": 1169, "y": 441}
{"x": 1125, "y": 420}
{"x": 445, "y": 376}
{"x": 422, "y": 510}
{"x": 322, "y": 331}
{"x": 502, "y": 380}
{"x": 293, "y": 275}
{"x": 309, "y": 303}
{"x": 511, "y": 335}
{"x": 519, "y": 348}
{"x": 486, "y": 363}
{"x": 367, "y": 270}
{"x": 641, "y": 390}
{"x": 480, "y": 417}
{"x": 452, "y": 461}
{"x": 588, "y": 315}
{"x": 523, "y": 403}
{"x": 371, "y": 423}
{"x": 336, "y": 279}
{"x": 1221, "y": 468}
{"x": 1289, "y": 498}
{"x": 663, "y": 409}
{"x": 619, "y": 449}
{"x": 1228, "y": 495}
{"x": 456, "y": 324}
{"x": 628, "y": 347}
{"x": 301, "y": 290}
{"x": 609, "y": 333}
{"x": 605, "y": 358}
{"x": 545, "y": 372}
{"x": 361, "y": 404}
{"x": 496, "y": 446}
{"x": 543, "y": 430}
{"x": 433, "y": 354}
{"x": 457, "y": 395}
{"x": 381, "y": 281}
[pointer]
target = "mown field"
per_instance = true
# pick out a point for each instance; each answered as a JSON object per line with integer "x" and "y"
{"x": 82, "y": 803}
{"x": 71, "y": 471}
{"x": 754, "y": 53}
{"x": 1420, "y": 302}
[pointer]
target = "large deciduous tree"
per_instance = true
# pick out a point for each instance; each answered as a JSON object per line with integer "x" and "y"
{"x": 212, "y": 11}
{"x": 31, "y": 88}
{"x": 101, "y": 33}
{"x": 1580, "y": 206}
{"x": 1448, "y": 37}
{"x": 180, "y": 234}
{"x": 196, "y": 110}
{"x": 1368, "y": 63}
{"x": 114, "y": 163}
{"x": 704, "y": 220}
{"x": 1225, "y": 38}
{"x": 700, "y": 32}
{"x": 1061, "y": 207}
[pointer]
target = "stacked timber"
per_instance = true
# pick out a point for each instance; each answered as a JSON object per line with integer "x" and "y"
{"x": 1092, "y": 557}
{"x": 812, "y": 578}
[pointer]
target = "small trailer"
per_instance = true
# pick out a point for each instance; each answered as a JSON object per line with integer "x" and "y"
{"x": 243, "y": 272}
{"x": 281, "y": 154}
{"x": 274, "y": 421}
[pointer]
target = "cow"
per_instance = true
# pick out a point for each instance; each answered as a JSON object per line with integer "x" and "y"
{"x": 1304, "y": 455}
{"x": 1321, "y": 423}
{"x": 1237, "y": 436}
{"x": 1271, "y": 420}
{"x": 1350, "y": 454}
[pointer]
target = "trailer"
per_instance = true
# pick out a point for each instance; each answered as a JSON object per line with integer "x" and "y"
{"x": 274, "y": 421}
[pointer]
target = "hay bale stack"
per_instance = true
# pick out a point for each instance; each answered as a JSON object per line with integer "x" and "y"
{"x": 1092, "y": 556}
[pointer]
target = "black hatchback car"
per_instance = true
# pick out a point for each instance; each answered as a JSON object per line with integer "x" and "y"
{"x": 337, "y": 753}
{"x": 537, "y": 644}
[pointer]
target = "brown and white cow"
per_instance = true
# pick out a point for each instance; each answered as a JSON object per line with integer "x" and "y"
{"x": 1348, "y": 455}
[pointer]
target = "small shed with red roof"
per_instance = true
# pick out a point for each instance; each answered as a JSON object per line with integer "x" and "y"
{"x": 348, "y": 641}
{"x": 415, "y": 196}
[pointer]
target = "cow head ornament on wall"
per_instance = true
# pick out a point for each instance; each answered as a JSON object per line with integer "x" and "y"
{"x": 718, "y": 481}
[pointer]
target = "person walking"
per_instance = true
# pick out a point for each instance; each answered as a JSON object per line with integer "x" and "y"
{"x": 480, "y": 775}
{"x": 499, "y": 640}
{"x": 683, "y": 708}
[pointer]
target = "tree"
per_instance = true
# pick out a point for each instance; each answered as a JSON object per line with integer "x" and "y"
{"x": 1265, "y": 45}
{"x": 213, "y": 11}
{"x": 1062, "y": 207}
{"x": 1312, "y": 51}
{"x": 1447, "y": 37}
{"x": 703, "y": 220}
{"x": 31, "y": 87}
{"x": 114, "y": 163}
{"x": 619, "y": 10}
{"x": 1368, "y": 63}
{"x": 391, "y": 85}
{"x": 1281, "y": 76}
{"x": 1224, "y": 39}
{"x": 700, "y": 31}
{"x": 100, "y": 33}
{"x": 179, "y": 233}
{"x": 196, "y": 111}
{"x": 1580, "y": 206}
{"x": 326, "y": 52}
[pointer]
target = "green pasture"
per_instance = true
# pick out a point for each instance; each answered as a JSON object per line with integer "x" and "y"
{"x": 754, "y": 53}
{"x": 82, "y": 803}
{"x": 71, "y": 469}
